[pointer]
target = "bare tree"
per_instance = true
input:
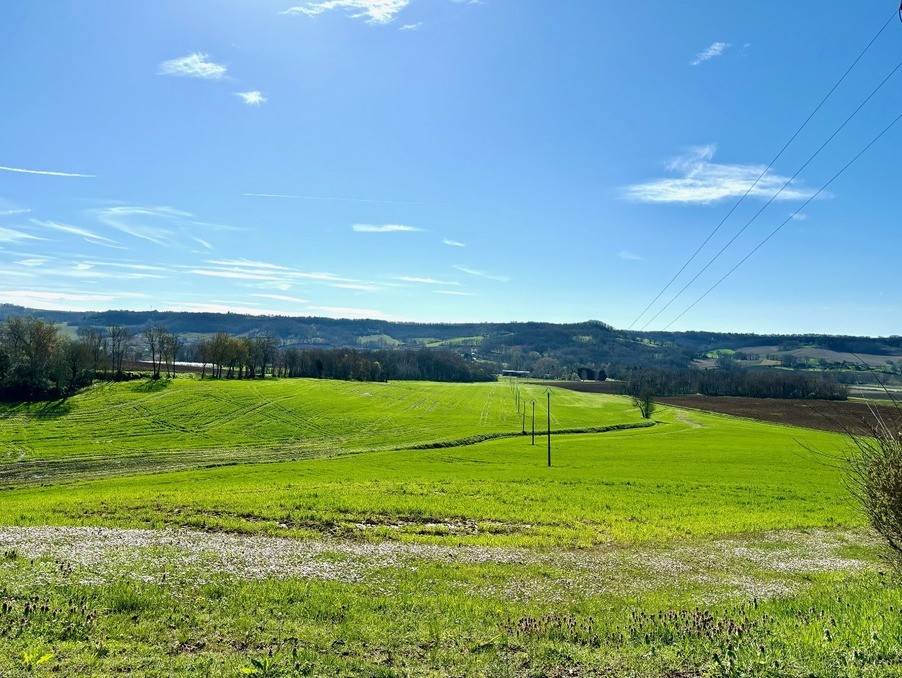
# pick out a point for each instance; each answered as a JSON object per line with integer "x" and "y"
{"x": 120, "y": 338}
{"x": 96, "y": 345}
{"x": 154, "y": 337}
{"x": 170, "y": 345}
{"x": 205, "y": 351}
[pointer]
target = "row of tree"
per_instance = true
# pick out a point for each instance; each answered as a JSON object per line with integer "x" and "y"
{"x": 736, "y": 382}
{"x": 253, "y": 357}
{"x": 38, "y": 361}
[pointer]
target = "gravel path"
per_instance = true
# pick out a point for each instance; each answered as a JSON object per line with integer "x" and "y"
{"x": 770, "y": 564}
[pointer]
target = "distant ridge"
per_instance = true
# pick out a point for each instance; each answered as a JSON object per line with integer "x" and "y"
{"x": 591, "y": 342}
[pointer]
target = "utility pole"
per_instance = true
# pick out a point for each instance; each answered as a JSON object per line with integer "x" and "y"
{"x": 533, "y": 422}
{"x": 549, "y": 428}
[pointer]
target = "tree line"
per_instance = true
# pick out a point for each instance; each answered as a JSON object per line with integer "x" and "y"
{"x": 732, "y": 382}
{"x": 38, "y": 361}
{"x": 229, "y": 357}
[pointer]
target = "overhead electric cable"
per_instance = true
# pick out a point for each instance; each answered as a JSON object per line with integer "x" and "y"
{"x": 766, "y": 170}
{"x": 786, "y": 221}
{"x": 773, "y": 197}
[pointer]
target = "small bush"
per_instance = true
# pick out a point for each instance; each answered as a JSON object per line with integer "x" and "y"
{"x": 875, "y": 478}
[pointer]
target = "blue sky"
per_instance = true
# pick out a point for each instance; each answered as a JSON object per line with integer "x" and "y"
{"x": 442, "y": 160}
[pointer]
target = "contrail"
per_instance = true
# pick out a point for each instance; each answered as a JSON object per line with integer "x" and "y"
{"x": 317, "y": 197}
{"x": 47, "y": 173}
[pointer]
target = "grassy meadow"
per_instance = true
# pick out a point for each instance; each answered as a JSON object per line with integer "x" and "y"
{"x": 408, "y": 529}
{"x": 148, "y": 425}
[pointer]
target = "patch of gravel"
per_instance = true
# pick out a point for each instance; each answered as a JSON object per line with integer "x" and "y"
{"x": 769, "y": 565}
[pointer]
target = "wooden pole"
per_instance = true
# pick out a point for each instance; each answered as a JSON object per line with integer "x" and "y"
{"x": 533, "y": 422}
{"x": 549, "y": 429}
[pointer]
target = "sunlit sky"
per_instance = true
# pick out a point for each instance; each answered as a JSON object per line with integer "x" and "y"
{"x": 451, "y": 160}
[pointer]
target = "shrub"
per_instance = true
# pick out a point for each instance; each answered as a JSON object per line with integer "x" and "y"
{"x": 875, "y": 478}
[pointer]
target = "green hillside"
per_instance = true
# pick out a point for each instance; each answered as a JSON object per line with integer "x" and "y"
{"x": 125, "y": 427}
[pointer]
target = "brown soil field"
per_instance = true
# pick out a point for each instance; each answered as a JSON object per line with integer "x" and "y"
{"x": 847, "y": 416}
{"x": 826, "y": 415}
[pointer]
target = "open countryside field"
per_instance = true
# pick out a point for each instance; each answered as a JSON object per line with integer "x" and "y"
{"x": 184, "y": 423}
{"x": 702, "y": 545}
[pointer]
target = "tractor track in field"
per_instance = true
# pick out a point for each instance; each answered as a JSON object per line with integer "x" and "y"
{"x": 21, "y": 471}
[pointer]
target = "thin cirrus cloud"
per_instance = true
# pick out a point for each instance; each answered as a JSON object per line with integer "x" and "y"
{"x": 715, "y": 50}
{"x": 427, "y": 281}
{"x": 280, "y": 276}
{"x": 253, "y": 98}
{"x": 482, "y": 274}
{"x": 333, "y": 199}
{"x": 384, "y": 228}
{"x": 48, "y": 173}
{"x": 412, "y": 27}
{"x": 371, "y": 11}
{"x": 702, "y": 181}
{"x": 62, "y": 301}
{"x": 196, "y": 65}
{"x": 89, "y": 236}
{"x": 629, "y": 256}
{"x": 282, "y": 297}
{"x": 161, "y": 225}
{"x": 12, "y": 235}
{"x": 452, "y": 243}
{"x": 359, "y": 313}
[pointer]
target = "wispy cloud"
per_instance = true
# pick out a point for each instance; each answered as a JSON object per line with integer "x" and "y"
{"x": 452, "y": 243}
{"x": 629, "y": 256}
{"x": 254, "y": 98}
{"x": 456, "y": 293}
{"x": 194, "y": 65}
{"x": 48, "y": 173}
{"x": 703, "y": 181}
{"x": 90, "y": 271}
{"x": 281, "y": 276}
{"x": 320, "y": 197}
{"x": 247, "y": 262}
{"x": 282, "y": 297}
{"x": 798, "y": 216}
{"x": 427, "y": 281}
{"x": 63, "y": 301}
{"x": 384, "y": 228}
{"x": 74, "y": 230}
{"x": 9, "y": 209}
{"x": 348, "y": 312}
{"x": 160, "y": 225}
{"x": 372, "y": 11}
{"x": 33, "y": 262}
{"x": 482, "y": 274}
{"x": 412, "y": 27}
{"x": 360, "y": 287}
{"x": 715, "y": 50}
{"x": 12, "y": 235}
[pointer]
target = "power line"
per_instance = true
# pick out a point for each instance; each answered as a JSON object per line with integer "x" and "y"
{"x": 766, "y": 170}
{"x": 786, "y": 221}
{"x": 773, "y": 197}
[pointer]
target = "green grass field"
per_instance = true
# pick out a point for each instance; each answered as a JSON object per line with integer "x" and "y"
{"x": 188, "y": 423}
{"x": 702, "y": 545}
